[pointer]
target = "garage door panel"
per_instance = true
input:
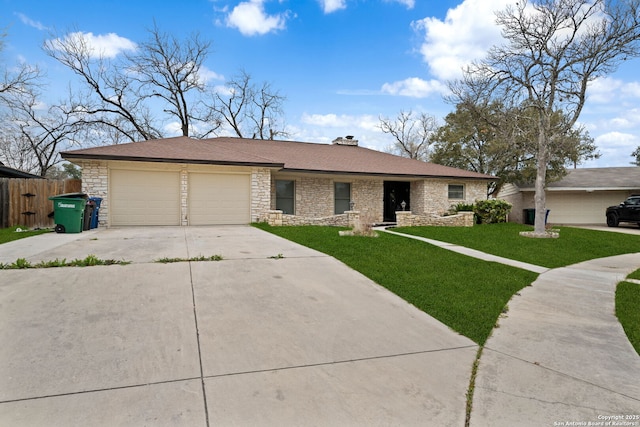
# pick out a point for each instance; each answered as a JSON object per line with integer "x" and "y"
{"x": 145, "y": 197}
{"x": 219, "y": 199}
{"x": 581, "y": 207}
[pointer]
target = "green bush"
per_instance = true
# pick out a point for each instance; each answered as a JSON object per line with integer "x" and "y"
{"x": 492, "y": 211}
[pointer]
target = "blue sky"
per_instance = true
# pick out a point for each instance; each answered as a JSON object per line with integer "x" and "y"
{"x": 340, "y": 63}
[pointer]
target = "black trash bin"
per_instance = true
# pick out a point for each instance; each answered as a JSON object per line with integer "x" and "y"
{"x": 88, "y": 213}
{"x": 95, "y": 215}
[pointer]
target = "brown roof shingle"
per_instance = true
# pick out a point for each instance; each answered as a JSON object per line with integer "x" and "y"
{"x": 284, "y": 155}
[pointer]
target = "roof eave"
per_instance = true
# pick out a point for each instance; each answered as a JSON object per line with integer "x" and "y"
{"x": 71, "y": 157}
{"x": 382, "y": 174}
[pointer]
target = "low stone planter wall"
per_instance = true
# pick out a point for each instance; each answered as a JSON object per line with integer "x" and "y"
{"x": 408, "y": 219}
{"x": 278, "y": 218}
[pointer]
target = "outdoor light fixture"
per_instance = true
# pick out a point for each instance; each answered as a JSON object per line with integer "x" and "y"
{"x": 403, "y": 204}
{"x": 351, "y": 205}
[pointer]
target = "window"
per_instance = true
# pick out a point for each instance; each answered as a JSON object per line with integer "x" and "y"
{"x": 285, "y": 196}
{"x": 456, "y": 191}
{"x": 342, "y": 195}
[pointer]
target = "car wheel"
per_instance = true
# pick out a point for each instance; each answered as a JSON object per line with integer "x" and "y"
{"x": 612, "y": 220}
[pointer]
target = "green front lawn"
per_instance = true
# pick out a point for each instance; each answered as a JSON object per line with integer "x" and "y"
{"x": 574, "y": 245}
{"x": 627, "y": 303}
{"x": 10, "y": 234}
{"x": 464, "y": 293}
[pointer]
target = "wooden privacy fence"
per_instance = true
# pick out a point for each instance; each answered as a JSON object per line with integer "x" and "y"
{"x": 25, "y": 202}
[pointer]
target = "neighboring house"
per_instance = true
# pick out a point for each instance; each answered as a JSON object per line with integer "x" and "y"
{"x": 184, "y": 181}
{"x": 7, "y": 172}
{"x": 581, "y": 197}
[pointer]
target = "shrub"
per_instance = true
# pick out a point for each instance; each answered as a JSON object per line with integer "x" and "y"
{"x": 492, "y": 210}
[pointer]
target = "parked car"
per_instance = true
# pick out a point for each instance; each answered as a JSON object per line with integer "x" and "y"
{"x": 627, "y": 211}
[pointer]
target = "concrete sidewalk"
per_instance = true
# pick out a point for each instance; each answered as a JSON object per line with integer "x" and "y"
{"x": 254, "y": 339}
{"x": 470, "y": 252}
{"x": 560, "y": 354}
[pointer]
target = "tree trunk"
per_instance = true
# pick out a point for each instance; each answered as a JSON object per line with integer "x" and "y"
{"x": 541, "y": 177}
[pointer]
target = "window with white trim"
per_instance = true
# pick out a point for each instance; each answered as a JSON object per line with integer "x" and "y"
{"x": 456, "y": 191}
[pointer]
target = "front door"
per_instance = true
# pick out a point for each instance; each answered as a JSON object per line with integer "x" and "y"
{"x": 395, "y": 192}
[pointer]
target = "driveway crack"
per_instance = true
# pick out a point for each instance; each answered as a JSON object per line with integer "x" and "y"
{"x": 195, "y": 319}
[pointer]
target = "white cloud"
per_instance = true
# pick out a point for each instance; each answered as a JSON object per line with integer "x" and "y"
{"x": 410, "y": 4}
{"x": 329, "y": 6}
{"x": 206, "y": 75}
{"x": 607, "y": 90}
{"x": 415, "y": 87}
{"x": 251, "y": 19}
{"x": 107, "y": 45}
{"x": 30, "y": 22}
{"x": 365, "y": 121}
{"x": 466, "y": 34}
{"x": 616, "y": 148}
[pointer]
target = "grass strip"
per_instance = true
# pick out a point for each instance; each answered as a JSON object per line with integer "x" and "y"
{"x": 10, "y": 234}
{"x": 89, "y": 261}
{"x": 194, "y": 259}
{"x": 464, "y": 293}
{"x": 574, "y": 245}
{"x": 627, "y": 303}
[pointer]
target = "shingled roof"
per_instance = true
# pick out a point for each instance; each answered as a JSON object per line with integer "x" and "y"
{"x": 611, "y": 178}
{"x": 286, "y": 156}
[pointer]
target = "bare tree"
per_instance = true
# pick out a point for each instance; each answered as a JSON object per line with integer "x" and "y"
{"x": 121, "y": 93}
{"x": 413, "y": 135}
{"x": 109, "y": 97}
{"x": 250, "y": 110}
{"x": 553, "y": 49}
{"x": 170, "y": 69}
{"x": 33, "y": 133}
{"x": 18, "y": 79}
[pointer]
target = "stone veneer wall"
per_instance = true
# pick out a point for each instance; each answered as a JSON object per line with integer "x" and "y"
{"x": 95, "y": 182}
{"x": 347, "y": 219}
{"x": 409, "y": 219}
{"x": 417, "y": 195}
{"x": 432, "y": 197}
{"x": 367, "y": 196}
{"x": 260, "y": 193}
{"x": 315, "y": 197}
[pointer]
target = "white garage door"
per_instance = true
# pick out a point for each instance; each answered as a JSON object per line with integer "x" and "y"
{"x": 582, "y": 207}
{"x": 219, "y": 199}
{"x": 144, "y": 197}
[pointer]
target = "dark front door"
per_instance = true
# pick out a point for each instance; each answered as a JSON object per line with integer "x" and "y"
{"x": 395, "y": 192}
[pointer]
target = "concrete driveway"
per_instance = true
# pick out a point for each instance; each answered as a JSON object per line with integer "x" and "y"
{"x": 254, "y": 339}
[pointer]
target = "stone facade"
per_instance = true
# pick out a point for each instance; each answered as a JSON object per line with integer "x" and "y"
{"x": 367, "y": 196}
{"x": 95, "y": 182}
{"x": 432, "y": 195}
{"x": 314, "y": 195}
{"x": 409, "y": 219}
{"x": 260, "y": 193}
{"x": 347, "y": 219}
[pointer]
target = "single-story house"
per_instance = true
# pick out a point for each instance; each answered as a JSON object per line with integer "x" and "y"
{"x": 185, "y": 181}
{"x": 581, "y": 197}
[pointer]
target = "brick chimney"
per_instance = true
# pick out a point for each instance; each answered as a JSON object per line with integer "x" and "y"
{"x": 348, "y": 140}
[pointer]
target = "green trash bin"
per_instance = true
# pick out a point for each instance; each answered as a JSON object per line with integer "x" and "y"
{"x": 68, "y": 212}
